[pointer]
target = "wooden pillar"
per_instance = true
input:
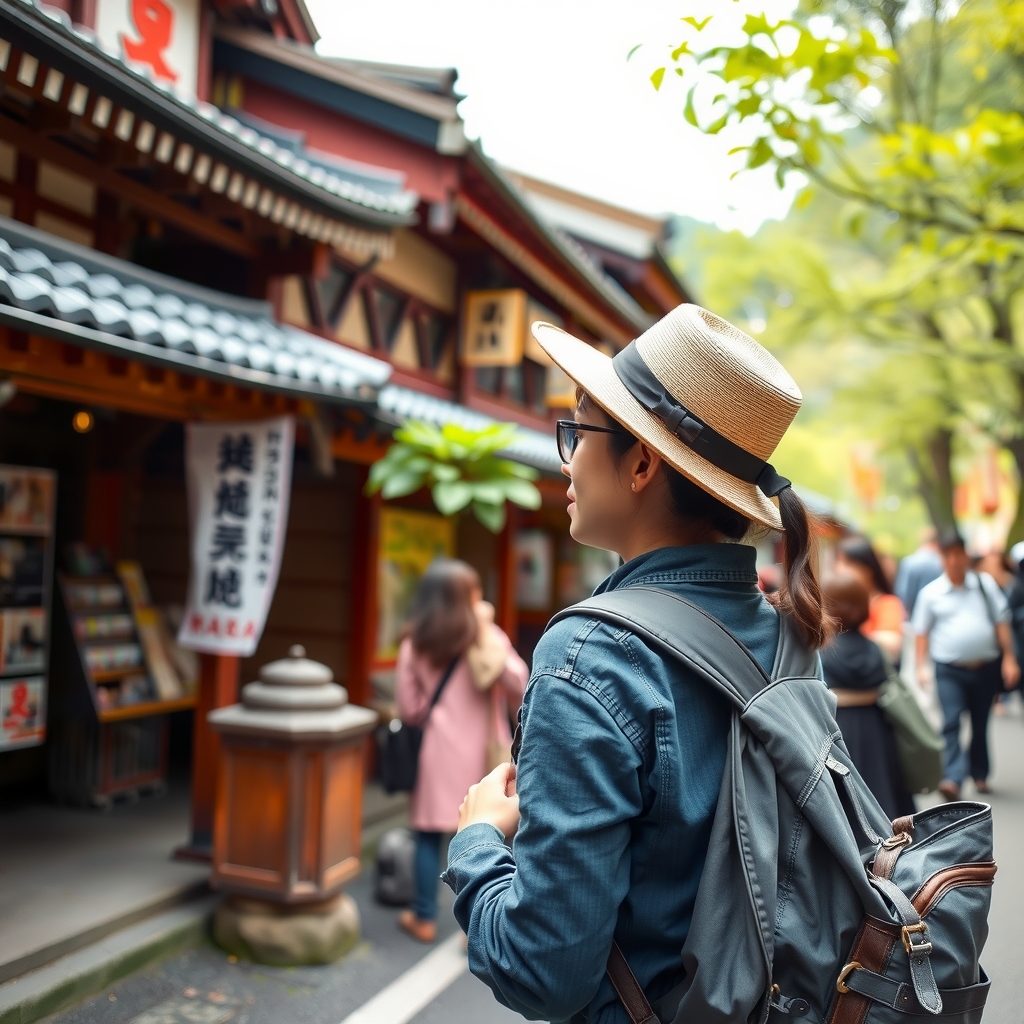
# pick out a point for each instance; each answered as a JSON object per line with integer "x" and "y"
{"x": 218, "y": 687}
{"x": 363, "y": 618}
{"x": 506, "y": 613}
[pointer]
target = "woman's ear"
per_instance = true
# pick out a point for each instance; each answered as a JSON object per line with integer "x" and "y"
{"x": 643, "y": 467}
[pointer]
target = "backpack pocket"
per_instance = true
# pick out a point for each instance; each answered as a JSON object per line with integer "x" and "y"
{"x": 952, "y": 897}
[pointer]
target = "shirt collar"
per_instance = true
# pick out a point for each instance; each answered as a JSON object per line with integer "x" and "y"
{"x": 721, "y": 563}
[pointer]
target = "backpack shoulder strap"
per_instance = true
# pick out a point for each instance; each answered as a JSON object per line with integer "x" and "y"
{"x": 685, "y": 632}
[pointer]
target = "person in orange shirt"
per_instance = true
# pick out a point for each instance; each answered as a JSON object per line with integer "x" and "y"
{"x": 886, "y": 615}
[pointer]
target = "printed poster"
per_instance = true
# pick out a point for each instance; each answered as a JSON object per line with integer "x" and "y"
{"x": 26, "y": 499}
{"x": 239, "y": 482}
{"x": 22, "y": 712}
{"x": 409, "y": 542}
{"x": 535, "y": 562}
{"x": 22, "y": 640}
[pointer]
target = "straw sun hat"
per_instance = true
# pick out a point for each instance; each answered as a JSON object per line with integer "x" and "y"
{"x": 707, "y": 397}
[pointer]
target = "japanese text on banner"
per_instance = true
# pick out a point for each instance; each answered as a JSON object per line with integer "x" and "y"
{"x": 239, "y": 481}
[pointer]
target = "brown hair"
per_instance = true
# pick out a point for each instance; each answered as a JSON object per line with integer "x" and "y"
{"x": 442, "y": 622}
{"x": 799, "y": 597}
{"x": 847, "y": 599}
{"x": 858, "y": 549}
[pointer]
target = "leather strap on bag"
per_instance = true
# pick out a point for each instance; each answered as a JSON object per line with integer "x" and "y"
{"x": 440, "y": 689}
{"x": 902, "y": 836}
{"x": 628, "y": 988}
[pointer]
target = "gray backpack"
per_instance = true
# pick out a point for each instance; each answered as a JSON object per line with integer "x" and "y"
{"x": 812, "y": 906}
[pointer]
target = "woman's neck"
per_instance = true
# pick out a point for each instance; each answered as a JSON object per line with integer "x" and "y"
{"x": 678, "y": 533}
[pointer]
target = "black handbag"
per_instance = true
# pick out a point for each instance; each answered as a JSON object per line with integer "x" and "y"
{"x": 398, "y": 745}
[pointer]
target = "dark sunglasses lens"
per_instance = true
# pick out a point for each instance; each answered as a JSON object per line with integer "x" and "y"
{"x": 566, "y": 440}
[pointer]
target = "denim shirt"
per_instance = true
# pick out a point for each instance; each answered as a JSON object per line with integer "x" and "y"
{"x": 618, "y": 779}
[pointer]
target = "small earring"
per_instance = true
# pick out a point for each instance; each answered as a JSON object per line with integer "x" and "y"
{"x": 633, "y": 485}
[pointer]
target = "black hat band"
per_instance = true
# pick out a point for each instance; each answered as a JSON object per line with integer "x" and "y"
{"x": 705, "y": 441}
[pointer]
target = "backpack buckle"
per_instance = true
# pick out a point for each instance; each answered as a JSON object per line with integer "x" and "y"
{"x": 897, "y": 841}
{"x": 841, "y": 987}
{"x": 909, "y": 944}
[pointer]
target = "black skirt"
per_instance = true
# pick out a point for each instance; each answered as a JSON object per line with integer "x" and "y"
{"x": 872, "y": 746}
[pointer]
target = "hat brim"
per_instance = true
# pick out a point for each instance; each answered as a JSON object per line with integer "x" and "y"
{"x": 592, "y": 370}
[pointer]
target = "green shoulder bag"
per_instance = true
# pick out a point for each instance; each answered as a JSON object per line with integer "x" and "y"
{"x": 918, "y": 744}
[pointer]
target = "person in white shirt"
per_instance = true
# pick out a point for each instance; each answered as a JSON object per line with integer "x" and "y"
{"x": 963, "y": 621}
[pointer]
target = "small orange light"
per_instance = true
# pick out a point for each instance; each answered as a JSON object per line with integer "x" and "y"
{"x": 82, "y": 421}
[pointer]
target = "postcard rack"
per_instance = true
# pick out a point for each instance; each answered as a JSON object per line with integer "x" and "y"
{"x": 118, "y": 686}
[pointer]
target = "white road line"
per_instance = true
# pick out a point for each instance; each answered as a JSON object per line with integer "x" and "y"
{"x": 420, "y": 985}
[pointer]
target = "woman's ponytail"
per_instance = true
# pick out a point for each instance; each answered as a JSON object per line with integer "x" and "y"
{"x": 800, "y": 596}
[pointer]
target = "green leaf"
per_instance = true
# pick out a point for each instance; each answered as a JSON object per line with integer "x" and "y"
{"x": 443, "y": 473}
{"x": 399, "y": 484}
{"x": 688, "y": 112}
{"x": 698, "y": 25}
{"x": 656, "y": 78}
{"x": 518, "y": 469}
{"x": 631, "y": 52}
{"x": 491, "y": 492}
{"x": 492, "y": 516}
{"x": 522, "y": 493}
{"x": 450, "y": 498}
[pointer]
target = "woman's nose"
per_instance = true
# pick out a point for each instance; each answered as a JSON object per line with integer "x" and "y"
{"x": 566, "y": 471}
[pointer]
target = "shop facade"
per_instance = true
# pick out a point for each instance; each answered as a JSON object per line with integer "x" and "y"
{"x": 230, "y": 229}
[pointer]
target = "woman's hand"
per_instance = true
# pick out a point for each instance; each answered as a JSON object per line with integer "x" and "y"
{"x": 493, "y": 801}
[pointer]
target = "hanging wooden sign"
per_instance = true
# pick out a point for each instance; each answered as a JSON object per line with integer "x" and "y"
{"x": 494, "y": 327}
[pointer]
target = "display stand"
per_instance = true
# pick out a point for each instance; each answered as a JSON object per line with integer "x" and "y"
{"x": 114, "y": 692}
{"x": 27, "y": 500}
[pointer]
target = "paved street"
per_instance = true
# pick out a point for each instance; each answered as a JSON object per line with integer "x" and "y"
{"x": 201, "y": 986}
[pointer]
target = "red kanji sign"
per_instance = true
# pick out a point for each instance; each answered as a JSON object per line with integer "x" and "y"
{"x": 154, "y": 23}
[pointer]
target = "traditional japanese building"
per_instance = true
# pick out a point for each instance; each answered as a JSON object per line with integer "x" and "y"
{"x": 203, "y": 220}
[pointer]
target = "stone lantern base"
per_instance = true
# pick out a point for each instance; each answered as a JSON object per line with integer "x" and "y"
{"x": 287, "y": 935}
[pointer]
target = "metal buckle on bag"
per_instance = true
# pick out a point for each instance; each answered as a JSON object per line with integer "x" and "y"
{"x": 896, "y": 841}
{"x": 908, "y": 942}
{"x": 841, "y": 987}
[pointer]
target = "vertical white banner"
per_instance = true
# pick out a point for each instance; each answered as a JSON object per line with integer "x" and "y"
{"x": 239, "y": 480}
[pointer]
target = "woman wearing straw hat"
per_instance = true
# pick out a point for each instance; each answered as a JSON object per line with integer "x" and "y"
{"x": 622, "y": 753}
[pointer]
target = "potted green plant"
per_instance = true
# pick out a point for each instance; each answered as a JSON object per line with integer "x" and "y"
{"x": 462, "y": 468}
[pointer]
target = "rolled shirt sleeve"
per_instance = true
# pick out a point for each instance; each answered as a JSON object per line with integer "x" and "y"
{"x": 540, "y": 918}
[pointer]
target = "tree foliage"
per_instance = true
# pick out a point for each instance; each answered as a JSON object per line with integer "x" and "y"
{"x": 461, "y": 467}
{"x": 906, "y": 122}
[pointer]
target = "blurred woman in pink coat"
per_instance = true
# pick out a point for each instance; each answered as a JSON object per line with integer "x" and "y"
{"x": 451, "y": 639}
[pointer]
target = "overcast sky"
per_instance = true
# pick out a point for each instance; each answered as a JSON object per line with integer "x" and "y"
{"x": 549, "y": 92}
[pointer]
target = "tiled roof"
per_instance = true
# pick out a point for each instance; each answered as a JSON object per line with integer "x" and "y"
{"x": 193, "y": 137}
{"x": 530, "y": 447}
{"x": 49, "y": 286}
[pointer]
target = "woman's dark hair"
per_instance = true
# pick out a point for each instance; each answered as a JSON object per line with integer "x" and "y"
{"x": 441, "y": 622}
{"x": 858, "y": 549}
{"x": 846, "y": 598}
{"x": 799, "y": 597}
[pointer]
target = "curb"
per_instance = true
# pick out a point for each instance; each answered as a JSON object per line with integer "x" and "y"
{"x": 83, "y": 973}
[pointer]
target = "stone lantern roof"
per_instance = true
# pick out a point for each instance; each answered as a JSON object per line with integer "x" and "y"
{"x": 294, "y": 698}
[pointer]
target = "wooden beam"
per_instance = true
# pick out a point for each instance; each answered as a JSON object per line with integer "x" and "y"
{"x": 29, "y": 143}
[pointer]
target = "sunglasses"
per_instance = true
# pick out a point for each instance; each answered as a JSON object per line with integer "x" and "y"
{"x": 568, "y": 434}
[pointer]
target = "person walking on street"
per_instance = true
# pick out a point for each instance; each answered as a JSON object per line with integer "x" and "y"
{"x": 886, "y": 615}
{"x": 918, "y": 569}
{"x": 622, "y": 751}
{"x": 962, "y": 619}
{"x": 855, "y": 668}
{"x": 450, "y": 633}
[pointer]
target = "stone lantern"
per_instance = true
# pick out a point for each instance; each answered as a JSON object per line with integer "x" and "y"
{"x": 287, "y": 823}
